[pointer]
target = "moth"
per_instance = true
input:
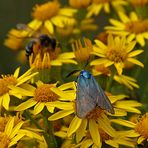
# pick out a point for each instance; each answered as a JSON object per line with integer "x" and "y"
{"x": 89, "y": 94}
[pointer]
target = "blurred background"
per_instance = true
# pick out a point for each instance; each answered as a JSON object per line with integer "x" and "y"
{"x": 19, "y": 11}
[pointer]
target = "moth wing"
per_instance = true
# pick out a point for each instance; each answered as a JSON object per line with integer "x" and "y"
{"x": 84, "y": 100}
{"x": 102, "y": 99}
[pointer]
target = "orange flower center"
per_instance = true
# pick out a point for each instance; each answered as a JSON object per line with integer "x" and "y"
{"x": 100, "y": 1}
{"x": 82, "y": 53}
{"x": 46, "y": 11}
{"x": 4, "y": 140}
{"x": 44, "y": 94}
{"x": 137, "y": 26}
{"x": 95, "y": 113}
{"x": 7, "y": 80}
{"x": 141, "y": 126}
{"x": 79, "y": 3}
{"x": 116, "y": 55}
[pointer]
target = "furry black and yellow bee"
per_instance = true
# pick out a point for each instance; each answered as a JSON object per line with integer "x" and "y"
{"x": 38, "y": 42}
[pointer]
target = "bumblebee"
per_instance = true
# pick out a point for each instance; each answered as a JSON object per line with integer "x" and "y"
{"x": 38, "y": 42}
{"x": 43, "y": 41}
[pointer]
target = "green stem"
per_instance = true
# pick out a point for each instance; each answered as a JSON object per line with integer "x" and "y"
{"x": 50, "y": 139}
{"x": 28, "y": 115}
{"x": 47, "y": 133}
{"x": 109, "y": 82}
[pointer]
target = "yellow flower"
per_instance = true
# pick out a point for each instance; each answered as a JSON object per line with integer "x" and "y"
{"x": 98, "y": 5}
{"x": 8, "y": 81}
{"x": 82, "y": 54}
{"x": 12, "y": 41}
{"x": 79, "y": 4}
{"x": 116, "y": 52}
{"x": 44, "y": 96}
{"x": 132, "y": 25}
{"x": 87, "y": 141}
{"x": 50, "y": 14}
{"x": 139, "y": 129}
{"x": 12, "y": 132}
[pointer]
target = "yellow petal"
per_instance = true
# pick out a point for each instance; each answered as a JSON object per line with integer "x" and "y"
{"x": 16, "y": 129}
{"x": 94, "y": 132}
{"x": 135, "y": 61}
{"x": 66, "y": 55}
{"x": 16, "y": 139}
{"x": 123, "y": 17}
{"x": 87, "y": 143}
{"x": 101, "y": 45}
{"x": 140, "y": 139}
{"x": 119, "y": 67}
{"x": 140, "y": 39}
{"x": 61, "y": 105}
{"x": 74, "y": 125}
{"x": 59, "y": 92}
{"x": 124, "y": 122}
{"x": 35, "y": 24}
{"x": 119, "y": 112}
{"x": 67, "y": 11}
{"x": 135, "y": 53}
{"x": 60, "y": 115}
{"x": 6, "y": 101}
{"x": 107, "y": 8}
{"x": 16, "y": 73}
{"x": 100, "y": 61}
{"x": 125, "y": 142}
{"x": 117, "y": 23}
{"x": 80, "y": 133}
{"x": 38, "y": 108}
{"x": 131, "y": 37}
{"x": 9, "y": 126}
{"x": 50, "y": 108}
{"x": 49, "y": 26}
{"x": 106, "y": 127}
{"x": 25, "y": 105}
{"x": 134, "y": 16}
{"x": 67, "y": 86}
{"x": 57, "y": 21}
{"x": 130, "y": 46}
{"x": 21, "y": 91}
{"x": 112, "y": 143}
{"x": 26, "y": 79}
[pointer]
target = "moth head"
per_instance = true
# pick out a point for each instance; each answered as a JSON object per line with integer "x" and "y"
{"x": 85, "y": 74}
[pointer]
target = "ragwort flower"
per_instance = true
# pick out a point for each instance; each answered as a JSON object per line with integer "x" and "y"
{"x": 12, "y": 132}
{"x": 50, "y": 14}
{"x": 117, "y": 52}
{"x": 132, "y": 25}
{"x": 8, "y": 81}
{"x": 98, "y": 5}
{"x": 44, "y": 96}
{"x": 139, "y": 129}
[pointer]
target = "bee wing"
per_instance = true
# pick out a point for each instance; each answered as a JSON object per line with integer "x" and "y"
{"x": 102, "y": 99}
{"x": 85, "y": 102}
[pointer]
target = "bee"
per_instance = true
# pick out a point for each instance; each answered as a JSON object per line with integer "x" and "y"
{"x": 39, "y": 42}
